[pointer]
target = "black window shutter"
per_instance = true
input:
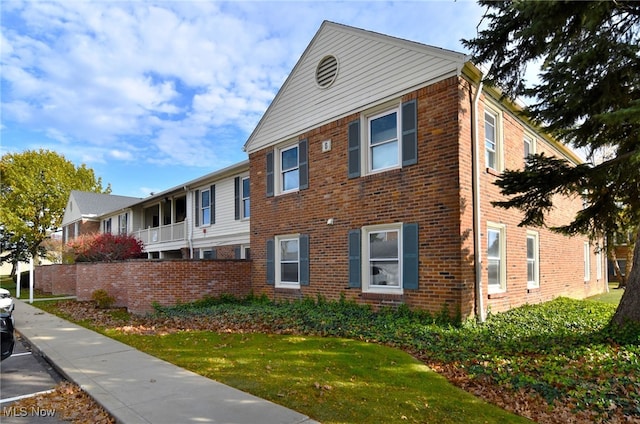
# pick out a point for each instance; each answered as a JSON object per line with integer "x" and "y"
{"x": 304, "y": 259}
{"x": 354, "y": 149}
{"x": 271, "y": 259}
{"x": 270, "y": 176}
{"x": 197, "y": 208}
{"x": 237, "y": 253}
{"x": 354, "y": 259}
{"x": 303, "y": 164}
{"x": 409, "y": 133}
{"x": 236, "y": 191}
{"x": 212, "y": 204}
{"x": 410, "y": 256}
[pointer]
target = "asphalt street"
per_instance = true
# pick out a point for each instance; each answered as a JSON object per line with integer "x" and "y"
{"x": 23, "y": 374}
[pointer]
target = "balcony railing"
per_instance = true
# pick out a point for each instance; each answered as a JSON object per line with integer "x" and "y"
{"x": 162, "y": 234}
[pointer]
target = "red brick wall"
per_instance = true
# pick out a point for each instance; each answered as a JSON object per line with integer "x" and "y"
{"x": 561, "y": 270}
{"x": 426, "y": 193}
{"x": 56, "y": 279}
{"x": 137, "y": 285}
{"x": 436, "y": 193}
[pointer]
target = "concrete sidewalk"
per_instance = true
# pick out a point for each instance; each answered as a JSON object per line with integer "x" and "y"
{"x": 138, "y": 388}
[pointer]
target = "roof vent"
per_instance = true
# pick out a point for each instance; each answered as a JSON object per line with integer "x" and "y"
{"x": 327, "y": 71}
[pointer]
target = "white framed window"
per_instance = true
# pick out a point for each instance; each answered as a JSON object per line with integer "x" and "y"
{"x": 106, "y": 226}
{"x": 496, "y": 257}
{"x": 245, "y": 252}
{"x": 289, "y": 161}
{"x": 493, "y": 139}
{"x": 287, "y": 260}
{"x": 382, "y": 254}
{"x": 383, "y": 140}
{"x": 533, "y": 260}
{"x": 123, "y": 227}
{"x": 587, "y": 261}
{"x": 529, "y": 145}
{"x": 205, "y": 207}
{"x": 246, "y": 199}
{"x": 599, "y": 264}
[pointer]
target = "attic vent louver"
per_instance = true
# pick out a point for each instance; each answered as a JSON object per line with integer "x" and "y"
{"x": 327, "y": 71}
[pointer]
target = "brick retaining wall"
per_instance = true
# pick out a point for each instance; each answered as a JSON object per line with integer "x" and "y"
{"x": 137, "y": 285}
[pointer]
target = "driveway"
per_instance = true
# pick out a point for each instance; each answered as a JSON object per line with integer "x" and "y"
{"x": 26, "y": 373}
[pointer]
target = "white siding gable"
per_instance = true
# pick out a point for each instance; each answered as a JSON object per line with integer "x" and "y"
{"x": 371, "y": 68}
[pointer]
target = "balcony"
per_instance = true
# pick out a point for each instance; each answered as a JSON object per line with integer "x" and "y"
{"x": 163, "y": 233}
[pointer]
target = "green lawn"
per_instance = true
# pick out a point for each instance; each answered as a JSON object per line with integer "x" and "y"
{"x": 332, "y": 380}
{"x": 612, "y": 297}
{"x": 560, "y": 358}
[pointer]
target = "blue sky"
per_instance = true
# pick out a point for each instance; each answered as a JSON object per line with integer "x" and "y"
{"x": 153, "y": 94}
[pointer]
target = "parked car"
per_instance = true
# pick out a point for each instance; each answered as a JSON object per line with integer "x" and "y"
{"x": 6, "y": 302}
{"x": 7, "y": 338}
{"x": 6, "y": 324}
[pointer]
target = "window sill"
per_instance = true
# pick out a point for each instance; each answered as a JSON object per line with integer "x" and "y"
{"x": 382, "y": 296}
{"x": 534, "y": 290}
{"x": 288, "y": 286}
{"x": 497, "y": 295}
{"x": 493, "y": 172}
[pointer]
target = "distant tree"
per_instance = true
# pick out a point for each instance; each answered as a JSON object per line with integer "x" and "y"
{"x": 105, "y": 247}
{"x": 588, "y": 95}
{"x": 34, "y": 190}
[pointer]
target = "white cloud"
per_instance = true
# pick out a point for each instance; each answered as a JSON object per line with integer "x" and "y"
{"x": 175, "y": 82}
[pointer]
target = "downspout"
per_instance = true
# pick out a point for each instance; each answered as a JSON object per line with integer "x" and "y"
{"x": 477, "y": 239}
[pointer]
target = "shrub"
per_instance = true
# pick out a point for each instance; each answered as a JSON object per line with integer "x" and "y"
{"x": 106, "y": 247}
{"x": 102, "y": 299}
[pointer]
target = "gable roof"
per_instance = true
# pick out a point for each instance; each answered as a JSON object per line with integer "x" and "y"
{"x": 88, "y": 205}
{"x": 370, "y": 67}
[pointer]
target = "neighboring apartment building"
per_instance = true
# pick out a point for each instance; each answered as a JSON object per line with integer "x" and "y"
{"x": 83, "y": 211}
{"x": 206, "y": 218}
{"x": 372, "y": 178}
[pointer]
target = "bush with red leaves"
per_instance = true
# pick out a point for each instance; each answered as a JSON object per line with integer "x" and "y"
{"x": 106, "y": 247}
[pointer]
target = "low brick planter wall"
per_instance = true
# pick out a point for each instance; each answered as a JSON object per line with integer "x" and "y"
{"x": 138, "y": 285}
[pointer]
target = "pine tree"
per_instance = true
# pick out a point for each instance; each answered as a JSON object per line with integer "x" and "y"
{"x": 588, "y": 96}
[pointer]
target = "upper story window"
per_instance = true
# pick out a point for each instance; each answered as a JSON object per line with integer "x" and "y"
{"x": 106, "y": 226}
{"x": 529, "y": 146}
{"x": 123, "y": 224}
{"x": 246, "y": 200}
{"x": 289, "y": 169}
{"x": 491, "y": 139}
{"x": 384, "y": 141}
{"x": 383, "y": 138}
{"x": 205, "y": 206}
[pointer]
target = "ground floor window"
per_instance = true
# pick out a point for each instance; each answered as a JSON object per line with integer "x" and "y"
{"x": 587, "y": 262}
{"x": 496, "y": 254}
{"x": 288, "y": 261}
{"x": 533, "y": 280}
{"x": 383, "y": 250}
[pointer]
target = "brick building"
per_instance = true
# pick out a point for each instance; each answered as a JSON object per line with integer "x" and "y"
{"x": 372, "y": 178}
